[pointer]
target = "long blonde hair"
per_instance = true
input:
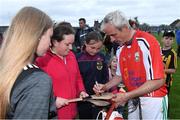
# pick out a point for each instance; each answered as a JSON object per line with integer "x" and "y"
{"x": 19, "y": 48}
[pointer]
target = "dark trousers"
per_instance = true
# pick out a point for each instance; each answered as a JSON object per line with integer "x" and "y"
{"x": 88, "y": 110}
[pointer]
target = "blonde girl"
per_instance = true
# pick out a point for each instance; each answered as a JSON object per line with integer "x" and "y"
{"x": 27, "y": 36}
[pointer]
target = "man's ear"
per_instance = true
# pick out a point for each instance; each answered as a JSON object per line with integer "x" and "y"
{"x": 125, "y": 27}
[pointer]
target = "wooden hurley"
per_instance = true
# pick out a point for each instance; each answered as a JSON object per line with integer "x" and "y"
{"x": 75, "y": 100}
{"x": 103, "y": 96}
{"x": 99, "y": 100}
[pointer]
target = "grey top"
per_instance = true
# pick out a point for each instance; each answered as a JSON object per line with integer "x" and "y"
{"x": 32, "y": 98}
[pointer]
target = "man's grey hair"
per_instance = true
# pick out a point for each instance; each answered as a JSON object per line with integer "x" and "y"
{"x": 116, "y": 18}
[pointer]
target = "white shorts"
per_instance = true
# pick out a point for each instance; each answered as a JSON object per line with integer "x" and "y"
{"x": 151, "y": 107}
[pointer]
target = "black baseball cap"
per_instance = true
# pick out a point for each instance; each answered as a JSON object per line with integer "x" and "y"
{"x": 168, "y": 34}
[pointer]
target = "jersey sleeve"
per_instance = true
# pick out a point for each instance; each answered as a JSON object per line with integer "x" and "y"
{"x": 156, "y": 58}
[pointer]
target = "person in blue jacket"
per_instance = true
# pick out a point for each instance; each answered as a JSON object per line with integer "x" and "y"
{"x": 94, "y": 69}
{"x": 178, "y": 42}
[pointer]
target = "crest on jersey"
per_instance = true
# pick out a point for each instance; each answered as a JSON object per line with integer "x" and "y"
{"x": 137, "y": 56}
{"x": 99, "y": 65}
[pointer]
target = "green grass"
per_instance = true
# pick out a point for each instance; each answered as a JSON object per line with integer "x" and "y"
{"x": 174, "y": 98}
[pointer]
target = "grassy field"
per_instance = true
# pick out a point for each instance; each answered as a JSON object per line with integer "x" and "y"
{"x": 174, "y": 98}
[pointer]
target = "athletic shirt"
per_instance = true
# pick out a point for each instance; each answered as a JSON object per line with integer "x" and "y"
{"x": 92, "y": 68}
{"x": 141, "y": 61}
{"x": 170, "y": 61}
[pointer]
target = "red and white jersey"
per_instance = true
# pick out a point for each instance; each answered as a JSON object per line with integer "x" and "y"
{"x": 141, "y": 61}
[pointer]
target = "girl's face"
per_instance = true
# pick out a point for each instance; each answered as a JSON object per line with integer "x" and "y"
{"x": 93, "y": 47}
{"x": 44, "y": 42}
{"x": 114, "y": 63}
{"x": 63, "y": 47}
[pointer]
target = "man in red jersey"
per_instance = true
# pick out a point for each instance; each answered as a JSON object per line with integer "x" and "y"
{"x": 140, "y": 68}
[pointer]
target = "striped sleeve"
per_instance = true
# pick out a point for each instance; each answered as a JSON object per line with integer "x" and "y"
{"x": 151, "y": 58}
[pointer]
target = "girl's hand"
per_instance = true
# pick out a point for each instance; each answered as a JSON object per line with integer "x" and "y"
{"x": 83, "y": 94}
{"x": 60, "y": 102}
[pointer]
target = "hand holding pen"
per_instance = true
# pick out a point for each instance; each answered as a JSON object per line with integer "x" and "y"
{"x": 99, "y": 88}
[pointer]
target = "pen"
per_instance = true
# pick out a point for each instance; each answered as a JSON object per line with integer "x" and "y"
{"x": 97, "y": 84}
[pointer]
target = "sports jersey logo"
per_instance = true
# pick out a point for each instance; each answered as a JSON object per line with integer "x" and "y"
{"x": 137, "y": 57}
{"x": 126, "y": 73}
{"x": 99, "y": 65}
